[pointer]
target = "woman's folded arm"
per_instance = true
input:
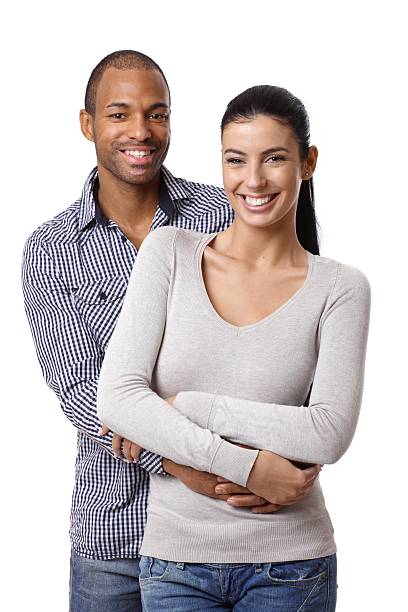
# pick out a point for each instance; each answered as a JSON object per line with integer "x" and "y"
{"x": 322, "y": 431}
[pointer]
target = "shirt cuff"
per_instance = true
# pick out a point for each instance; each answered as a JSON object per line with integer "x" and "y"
{"x": 233, "y": 462}
{"x": 151, "y": 462}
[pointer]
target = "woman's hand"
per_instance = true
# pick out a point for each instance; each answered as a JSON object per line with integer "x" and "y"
{"x": 218, "y": 488}
{"x": 277, "y": 480}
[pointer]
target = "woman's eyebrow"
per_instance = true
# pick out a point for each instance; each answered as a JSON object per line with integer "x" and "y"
{"x": 234, "y": 151}
{"x": 275, "y": 150}
{"x": 270, "y": 150}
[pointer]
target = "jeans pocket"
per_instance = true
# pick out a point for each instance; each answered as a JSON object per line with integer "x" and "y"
{"x": 152, "y": 568}
{"x": 298, "y": 573}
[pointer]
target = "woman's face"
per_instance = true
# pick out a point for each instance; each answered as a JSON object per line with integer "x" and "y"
{"x": 262, "y": 169}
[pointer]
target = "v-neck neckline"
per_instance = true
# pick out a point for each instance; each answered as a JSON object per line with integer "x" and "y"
{"x": 210, "y": 307}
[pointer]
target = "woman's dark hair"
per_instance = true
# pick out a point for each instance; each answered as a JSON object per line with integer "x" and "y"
{"x": 280, "y": 104}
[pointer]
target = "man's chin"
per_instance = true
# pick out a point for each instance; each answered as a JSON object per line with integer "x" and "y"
{"x": 137, "y": 176}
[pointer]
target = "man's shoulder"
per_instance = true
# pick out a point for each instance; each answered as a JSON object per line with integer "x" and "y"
{"x": 63, "y": 227}
{"x": 202, "y": 193}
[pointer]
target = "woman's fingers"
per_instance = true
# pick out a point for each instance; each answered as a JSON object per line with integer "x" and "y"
{"x": 311, "y": 473}
{"x": 245, "y": 501}
{"x": 230, "y": 488}
{"x": 266, "y": 508}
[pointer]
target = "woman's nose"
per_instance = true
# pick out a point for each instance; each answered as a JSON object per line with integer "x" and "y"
{"x": 255, "y": 178}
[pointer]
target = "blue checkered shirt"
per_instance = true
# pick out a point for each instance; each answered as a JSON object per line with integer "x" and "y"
{"x": 75, "y": 272}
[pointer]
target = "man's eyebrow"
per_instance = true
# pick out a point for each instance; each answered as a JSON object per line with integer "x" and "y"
{"x": 158, "y": 105}
{"x": 126, "y": 105}
{"x": 121, "y": 104}
{"x": 270, "y": 150}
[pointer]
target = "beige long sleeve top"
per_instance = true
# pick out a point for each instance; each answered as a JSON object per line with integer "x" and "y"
{"x": 235, "y": 384}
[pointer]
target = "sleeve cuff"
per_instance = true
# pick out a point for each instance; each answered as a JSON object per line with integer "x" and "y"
{"x": 233, "y": 462}
{"x": 151, "y": 462}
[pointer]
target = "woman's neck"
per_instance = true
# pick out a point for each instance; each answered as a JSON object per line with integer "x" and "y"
{"x": 276, "y": 245}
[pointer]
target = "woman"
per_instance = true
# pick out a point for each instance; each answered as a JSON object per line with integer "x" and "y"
{"x": 238, "y": 326}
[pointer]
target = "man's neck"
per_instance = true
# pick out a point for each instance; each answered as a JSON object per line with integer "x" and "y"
{"x": 130, "y": 206}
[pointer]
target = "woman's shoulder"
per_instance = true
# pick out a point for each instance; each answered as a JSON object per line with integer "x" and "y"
{"x": 167, "y": 240}
{"x": 343, "y": 275}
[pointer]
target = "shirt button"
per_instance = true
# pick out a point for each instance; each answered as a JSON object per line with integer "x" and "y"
{"x": 102, "y": 295}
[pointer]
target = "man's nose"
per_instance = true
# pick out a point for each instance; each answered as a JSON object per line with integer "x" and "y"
{"x": 139, "y": 129}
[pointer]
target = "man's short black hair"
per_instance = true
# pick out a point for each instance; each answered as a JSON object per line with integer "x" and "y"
{"x": 121, "y": 60}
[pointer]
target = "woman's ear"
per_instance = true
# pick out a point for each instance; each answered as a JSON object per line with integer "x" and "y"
{"x": 310, "y": 163}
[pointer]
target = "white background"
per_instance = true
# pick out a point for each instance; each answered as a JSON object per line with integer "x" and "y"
{"x": 346, "y": 61}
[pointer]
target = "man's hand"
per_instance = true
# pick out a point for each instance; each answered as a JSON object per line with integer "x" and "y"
{"x": 279, "y": 481}
{"x": 217, "y": 487}
{"x": 239, "y": 497}
{"x": 128, "y": 449}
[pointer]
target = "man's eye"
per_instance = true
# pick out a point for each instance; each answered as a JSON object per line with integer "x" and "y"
{"x": 159, "y": 116}
{"x": 117, "y": 116}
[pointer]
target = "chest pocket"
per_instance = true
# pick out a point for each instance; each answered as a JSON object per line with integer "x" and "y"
{"x": 99, "y": 303}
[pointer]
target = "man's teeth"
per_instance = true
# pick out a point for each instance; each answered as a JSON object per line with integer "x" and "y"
{"x": 138, "y": 153}
{"x": 258, "y": 201}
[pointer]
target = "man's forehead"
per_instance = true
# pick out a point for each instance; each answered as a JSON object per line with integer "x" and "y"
{"x": 130, "y": 86}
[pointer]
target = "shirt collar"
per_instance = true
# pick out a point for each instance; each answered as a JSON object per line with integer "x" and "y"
{"x": 172, "y": 193}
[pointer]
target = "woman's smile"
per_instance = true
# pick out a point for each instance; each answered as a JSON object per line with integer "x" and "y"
{"x": 258, "y": 203}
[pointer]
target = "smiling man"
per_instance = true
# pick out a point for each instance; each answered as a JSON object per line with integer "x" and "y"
{"x": 75, "y": 273}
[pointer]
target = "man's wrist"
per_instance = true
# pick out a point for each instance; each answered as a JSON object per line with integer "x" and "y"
{"x": 170, "y": 467}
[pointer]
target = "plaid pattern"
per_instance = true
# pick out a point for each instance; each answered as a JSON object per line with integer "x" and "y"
{"x": 75, "y": 272}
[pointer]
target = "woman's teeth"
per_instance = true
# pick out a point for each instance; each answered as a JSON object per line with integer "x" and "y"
{"x": 259, "y": 201}
{"x": 138, "y": 153}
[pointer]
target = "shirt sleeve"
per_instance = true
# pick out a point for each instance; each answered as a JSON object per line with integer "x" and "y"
{"x": 69, "y": 357}
{"x": 126, "y": 401}
{"x": 322, "y": 431}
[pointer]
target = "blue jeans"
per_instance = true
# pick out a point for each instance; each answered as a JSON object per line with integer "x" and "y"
{"x": 309, "y": 586}
{"x": 104, "y": 586}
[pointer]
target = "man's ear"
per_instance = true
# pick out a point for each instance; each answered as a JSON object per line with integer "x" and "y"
{"x": 86, "y": 122}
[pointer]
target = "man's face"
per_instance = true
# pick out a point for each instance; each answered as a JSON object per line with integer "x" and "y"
{"x": 131, "y": 126}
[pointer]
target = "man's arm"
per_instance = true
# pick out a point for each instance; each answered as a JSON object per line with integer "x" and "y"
{"x": 322, "y": 431}
{"x": 69, "y": 356}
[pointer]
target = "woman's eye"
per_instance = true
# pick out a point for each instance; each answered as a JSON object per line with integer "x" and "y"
{"x": 274, "y": 159}
{"x": 234, "y": 161}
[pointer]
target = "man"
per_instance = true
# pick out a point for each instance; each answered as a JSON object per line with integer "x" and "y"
{"x": 75, "y": 272}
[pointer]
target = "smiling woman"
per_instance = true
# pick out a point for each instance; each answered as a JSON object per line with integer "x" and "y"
{"x": 263, "y": 342}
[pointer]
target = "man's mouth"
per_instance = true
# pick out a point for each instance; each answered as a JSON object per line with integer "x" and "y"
{"x": 138, "y": 157}
{"x": 138, "y": 154}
